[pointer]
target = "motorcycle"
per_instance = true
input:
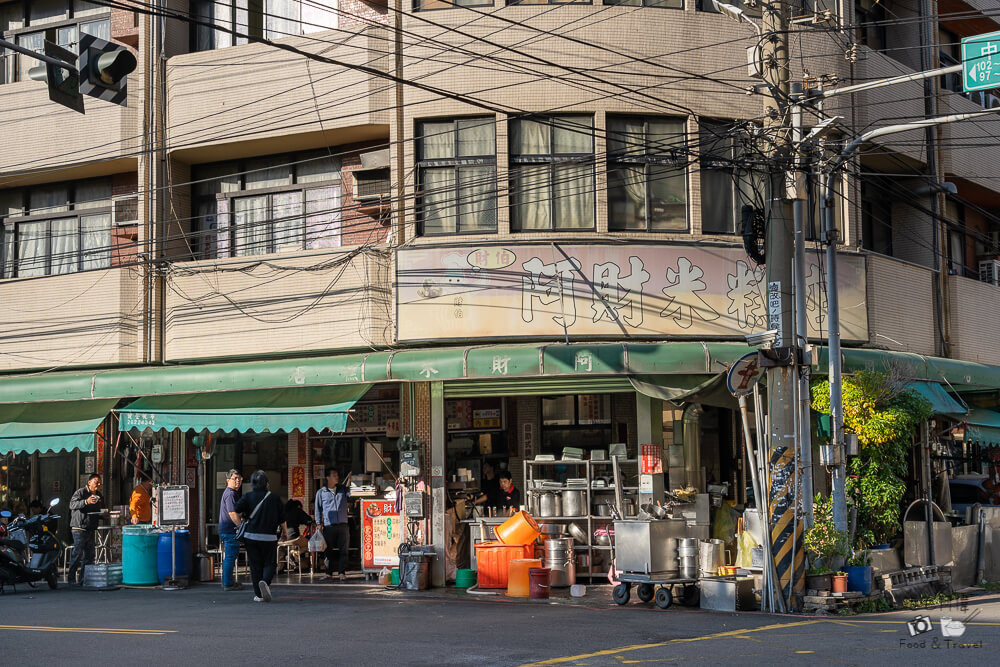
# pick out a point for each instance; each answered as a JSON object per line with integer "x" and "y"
{"x": 30, "y": 551}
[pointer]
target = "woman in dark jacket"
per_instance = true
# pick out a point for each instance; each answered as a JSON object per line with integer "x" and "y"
{"x": 260, "y": 538}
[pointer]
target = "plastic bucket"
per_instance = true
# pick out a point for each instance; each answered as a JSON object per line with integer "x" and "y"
{"x": 493, "y": 561}
{"x": 517, "y": 579}
{"x": 139, "y": 545}
{"x": 538, "y": 583}
{"x": 182, "y": 555}
{"x": 519, "y": 529}
{"x": 465, "y": 578}
{"x": 394, "y": 576}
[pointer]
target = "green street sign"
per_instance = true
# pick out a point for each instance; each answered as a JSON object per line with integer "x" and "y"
{"x": 981, "y": 62}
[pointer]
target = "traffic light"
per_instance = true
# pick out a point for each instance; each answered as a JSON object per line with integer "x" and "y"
{"x": 103, "y": 68}
{"x": 63, "y": 82}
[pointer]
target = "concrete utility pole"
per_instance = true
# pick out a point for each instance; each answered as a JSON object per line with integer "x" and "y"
{"x": 781, "y": 378}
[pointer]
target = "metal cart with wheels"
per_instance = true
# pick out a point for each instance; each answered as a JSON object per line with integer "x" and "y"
{"x": 657, "y": 587}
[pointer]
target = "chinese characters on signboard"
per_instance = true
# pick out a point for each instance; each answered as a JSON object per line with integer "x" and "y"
{"x": 598, "y": 290}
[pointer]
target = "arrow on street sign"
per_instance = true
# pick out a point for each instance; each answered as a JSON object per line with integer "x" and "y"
{"x": 981, "y": 62}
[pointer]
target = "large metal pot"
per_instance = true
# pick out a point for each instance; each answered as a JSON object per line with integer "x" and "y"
{"x": 549, "y": 505}
{"x": 562, "y": 571}
{"x": 711, "y": 556}
{"x": 558, "y": 547}
{"x": 574, "y": 502}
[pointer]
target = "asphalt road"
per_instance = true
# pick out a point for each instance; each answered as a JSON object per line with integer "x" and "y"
{"x": 349, "y": 625}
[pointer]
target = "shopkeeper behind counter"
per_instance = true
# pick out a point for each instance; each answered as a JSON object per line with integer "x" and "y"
{"x": 509, "y": 499}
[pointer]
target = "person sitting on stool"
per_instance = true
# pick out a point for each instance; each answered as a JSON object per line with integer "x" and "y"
{"x": 331, "y": 515}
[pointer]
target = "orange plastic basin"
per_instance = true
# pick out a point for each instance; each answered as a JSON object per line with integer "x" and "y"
{"x": 519, "y": 529}
{"x": 493, "y": 561}
{"x": 518, "y": 580}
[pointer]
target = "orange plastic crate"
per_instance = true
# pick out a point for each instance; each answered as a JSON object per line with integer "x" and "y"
{"x": 493, "y": 561}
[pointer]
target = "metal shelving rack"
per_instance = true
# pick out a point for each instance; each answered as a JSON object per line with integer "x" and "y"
{"x": 588, "y": 467}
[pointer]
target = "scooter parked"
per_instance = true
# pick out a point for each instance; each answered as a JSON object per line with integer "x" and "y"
{"x": 35, "y": 535}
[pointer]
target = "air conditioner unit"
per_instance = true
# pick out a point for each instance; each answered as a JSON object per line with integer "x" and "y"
{"x": 371, "y": 184}
{"x": 125, "y": 209}
{"x": 989, "y": 271}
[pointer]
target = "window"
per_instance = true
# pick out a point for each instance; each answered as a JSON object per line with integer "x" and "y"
{"x": 870, "y": 26}
{"x": 647, "y": 176}
{"x": 552, "y": 173}
{"x": 749, "y": 8}
{"x": 727, "y": 181}
{"x": 955, "y": 215}
{"x": 876, "y": 215}
{"x": 424, "y": 5}
{"x": 29, "y": 24}
{"x": 549, "y": 2}
{"x": 280, "y": 203}
{"x": 268, "y": 19}
{"x": 56, "y": 229}
{"x": 668, "y": 4}
{"x": 457, "y": 165}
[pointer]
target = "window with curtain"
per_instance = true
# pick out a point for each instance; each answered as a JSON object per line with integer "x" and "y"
{"x": 552, "y": 173}
{"x": 647, "y": 174}
{"x": 457, "y": 176}
{"x": 666, "y": 4}
{"x": 26, "y": 23}
{"x": 425, "y": 5}
{"x": 268, "y": 19}
{"x": 56, "y": 229}
{"x": 278, "y": 203}
{"x": 728, "y": 180}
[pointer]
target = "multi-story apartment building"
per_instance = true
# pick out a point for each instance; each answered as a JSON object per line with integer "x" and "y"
{"x": 500, "y": 227}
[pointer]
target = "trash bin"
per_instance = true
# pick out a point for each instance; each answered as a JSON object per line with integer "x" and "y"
{"x": 139, "y": 555}
{"x": 414, "y": 567}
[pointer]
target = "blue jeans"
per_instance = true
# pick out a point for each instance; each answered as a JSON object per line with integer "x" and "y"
{"x": 230, "y": 550}
{"x": 82, "y": 556}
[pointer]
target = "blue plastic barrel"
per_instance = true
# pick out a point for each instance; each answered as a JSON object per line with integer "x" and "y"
{"x": 182, "y": 555}
{"x": 139, "y": 555}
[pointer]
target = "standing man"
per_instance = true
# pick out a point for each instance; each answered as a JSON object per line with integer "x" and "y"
{"x": 139, "y": 506}
{"x": 85, "y": 506}
{"x": 228, "y": 520}
{"x": 331, "y": 515}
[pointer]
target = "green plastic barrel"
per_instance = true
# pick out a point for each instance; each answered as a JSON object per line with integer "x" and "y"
{"x": 139, "y": 555}
{"x": 395, "y": 576}
{"x": 465, "y": 578}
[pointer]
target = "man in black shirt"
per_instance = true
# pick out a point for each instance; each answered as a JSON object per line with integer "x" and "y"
{"x": 85, "y": 510}
{"x": 510, "y": 497}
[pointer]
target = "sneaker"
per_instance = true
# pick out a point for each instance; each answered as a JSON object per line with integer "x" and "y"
{"x": 235, "y": 587}
{"x": 265, "y": 591}
{"x": 257, "y": 599}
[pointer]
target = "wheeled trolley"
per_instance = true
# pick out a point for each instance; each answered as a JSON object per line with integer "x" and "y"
{"x": 658, "y": 587}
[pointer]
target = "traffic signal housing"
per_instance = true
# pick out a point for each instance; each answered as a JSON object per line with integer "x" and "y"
{"x": 63, "y": 82}
{"x": 103, "y": 69}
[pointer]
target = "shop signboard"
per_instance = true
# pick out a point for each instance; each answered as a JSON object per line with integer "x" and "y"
{"x": 381, "y": 533}
{"x": 298, "y": 481}
{"x": 531, "y": 290}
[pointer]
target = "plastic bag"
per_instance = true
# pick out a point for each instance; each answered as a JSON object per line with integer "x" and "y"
{"x": 316, "y": 542}
{"x": 745, "y": 544}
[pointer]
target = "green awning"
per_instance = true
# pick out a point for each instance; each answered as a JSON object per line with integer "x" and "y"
{"x": 940, "y": 400}
{"x": 259, "y": 410}
{"x": 56, "y": 426}
{"x": 678, "y": 389}
{"x": 983, "y": 426}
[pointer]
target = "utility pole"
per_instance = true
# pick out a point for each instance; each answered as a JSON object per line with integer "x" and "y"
{"x": 782, "y": 376}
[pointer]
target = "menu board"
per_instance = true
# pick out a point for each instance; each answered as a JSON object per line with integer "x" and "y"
{"x": 381, "y": 532}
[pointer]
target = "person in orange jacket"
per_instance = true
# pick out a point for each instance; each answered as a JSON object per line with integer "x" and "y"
{"x": 139, "y": 506}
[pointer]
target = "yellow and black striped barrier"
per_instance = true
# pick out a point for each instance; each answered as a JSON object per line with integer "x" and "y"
{"x": 789, "y": 556}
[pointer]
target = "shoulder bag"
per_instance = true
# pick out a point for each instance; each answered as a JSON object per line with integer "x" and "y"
{"x": 242, "y": 528}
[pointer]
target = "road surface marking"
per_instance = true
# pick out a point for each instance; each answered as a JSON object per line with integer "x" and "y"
{"x": 100, "y": 631}
{"x": 641, "y": 647}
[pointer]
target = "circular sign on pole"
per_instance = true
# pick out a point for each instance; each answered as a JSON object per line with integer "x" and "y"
{"x": 744, "y": 374}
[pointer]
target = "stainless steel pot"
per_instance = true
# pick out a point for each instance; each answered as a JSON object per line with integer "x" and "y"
{"x": 602, "y": 509}
{"x": 549, "y": 505}
{"x": 574, "y": 502}
{"x": 558, "y": 547}
{"x": 562, "y": 571}
{"x": 711, "y": 556}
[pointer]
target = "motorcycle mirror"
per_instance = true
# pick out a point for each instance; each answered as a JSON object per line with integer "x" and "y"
{"x": 53, "y": 502}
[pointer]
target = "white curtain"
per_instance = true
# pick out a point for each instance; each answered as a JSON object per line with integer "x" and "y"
{"x": 268, "y": 173}
{"x": 530, "y": 137}
{"x": 95, "y": 241}
{"x": 438, "y": 200}
{"x": 64, "y": 234}
{"x": 477, "y": 197}
{"x": 281, "y": 18}
{"x": 286, "y": 212}
{"x": 31, "y": 237}
{"x": 250, "y": 216}
{"x": 668, "y": 198}
{"x": 223, "y": 224}
{"x": 438, "y": 141}
{"x": 476, "y": 137}
{"x": 323, "y": 217}
{"x": 99, "y": 29}
{"x": 531, "y": 195}
{"x": 7, "y": 252}
{"x": 34, "y": 41}
{"x": 573, "y": 207}
{"x": 319, "y": 15}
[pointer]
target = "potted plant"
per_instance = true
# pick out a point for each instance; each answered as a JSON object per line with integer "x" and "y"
{"x": 825, "y": 543}
{"x": 859, "y": 572}
{"x": 839, "y": 582}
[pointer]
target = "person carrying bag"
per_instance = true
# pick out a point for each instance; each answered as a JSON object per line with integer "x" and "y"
{"x": 259, "y": 532}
